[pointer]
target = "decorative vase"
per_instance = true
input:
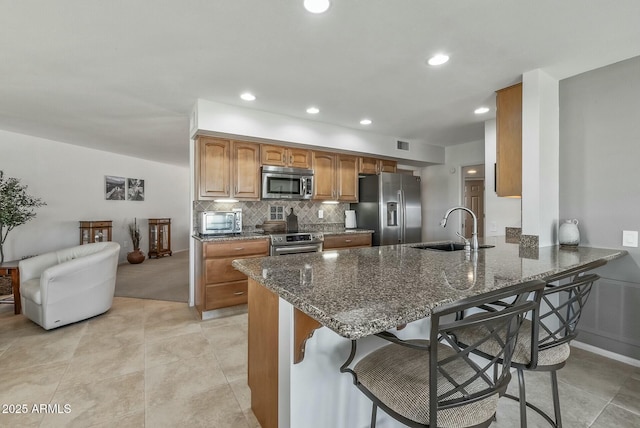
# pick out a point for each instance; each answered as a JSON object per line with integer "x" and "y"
{"x": 135, "y": 257}
{"x": 568, "y": 234}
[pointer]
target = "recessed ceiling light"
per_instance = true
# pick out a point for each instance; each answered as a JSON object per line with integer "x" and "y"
{"x": 317, "y": 6}
{"x": 313, "y": 110}
{"x": 247, "y": 96}
{"x": 438, "y": 59}
{"x": 365, "y": 122}
{"x": 481, "y": 110}
{"x": 472, "y": 171}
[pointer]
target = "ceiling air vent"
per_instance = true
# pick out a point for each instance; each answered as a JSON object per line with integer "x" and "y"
{"x": 403, "y": 145}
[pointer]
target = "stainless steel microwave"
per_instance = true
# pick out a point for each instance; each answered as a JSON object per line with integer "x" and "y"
{"x": 220, "y": 222}
{"x": 286, "y": 183}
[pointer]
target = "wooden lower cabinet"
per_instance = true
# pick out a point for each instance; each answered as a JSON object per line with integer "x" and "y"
{"x": 218, "y": 283}
{"x": 347, "y": 240}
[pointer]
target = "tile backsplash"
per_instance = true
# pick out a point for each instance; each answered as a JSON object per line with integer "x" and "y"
{"x": 255, "y": 213}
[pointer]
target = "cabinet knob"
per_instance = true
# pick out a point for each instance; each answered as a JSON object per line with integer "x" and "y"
{"x": 347, "y": 240}
{"x": 291, "y": 159}
{"x": 239, "y": 248}
{"x": 238, "y": 293}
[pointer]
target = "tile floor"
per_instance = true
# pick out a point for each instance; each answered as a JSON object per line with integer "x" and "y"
{"x": 150, "y": 363}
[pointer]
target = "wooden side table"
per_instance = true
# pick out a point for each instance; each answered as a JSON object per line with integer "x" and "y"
{"x": 11, "y": 269}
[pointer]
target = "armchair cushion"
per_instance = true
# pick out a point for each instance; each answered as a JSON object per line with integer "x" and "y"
{"x": 69, "y": 285}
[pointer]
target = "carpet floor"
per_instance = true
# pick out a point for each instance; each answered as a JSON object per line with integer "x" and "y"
{"x": 165, "y": 278}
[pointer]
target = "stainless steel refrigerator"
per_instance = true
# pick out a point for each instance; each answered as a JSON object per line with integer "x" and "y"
{"x": 390, "y": 205}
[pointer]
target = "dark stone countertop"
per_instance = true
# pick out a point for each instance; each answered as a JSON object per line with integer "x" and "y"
{"x": 359, "y": 292}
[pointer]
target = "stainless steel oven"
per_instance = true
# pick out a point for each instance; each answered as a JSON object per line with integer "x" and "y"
{"x": 296, "y": 243}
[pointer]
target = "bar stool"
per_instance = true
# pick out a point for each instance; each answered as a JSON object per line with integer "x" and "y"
{"x": 556, "y": 321}
{"x": 431, "y": 383}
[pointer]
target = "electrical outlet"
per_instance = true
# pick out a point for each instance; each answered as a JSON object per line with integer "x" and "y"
{"x": 125, "y": 244}
{"x": 629, "y": 238}
{"x": 320, "y": 213}
{"x": 493, "y": 227}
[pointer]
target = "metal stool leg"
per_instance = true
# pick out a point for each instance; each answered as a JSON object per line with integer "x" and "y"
{"x": 522, "y": 399}
{"x": 556, "y": 398}
{"x": 374, "y": 410}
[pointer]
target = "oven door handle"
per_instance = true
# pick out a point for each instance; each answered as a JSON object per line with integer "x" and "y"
{"x": 279, "y": 251}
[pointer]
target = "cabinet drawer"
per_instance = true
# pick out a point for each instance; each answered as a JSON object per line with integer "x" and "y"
{"x": 221, "y": 270}
{"x": 223, "y": 295}
{"x": 347, "y": 241}
{"x": 239, "y": 248}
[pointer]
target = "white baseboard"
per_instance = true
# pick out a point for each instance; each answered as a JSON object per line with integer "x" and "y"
{"x": 605, "y": 353}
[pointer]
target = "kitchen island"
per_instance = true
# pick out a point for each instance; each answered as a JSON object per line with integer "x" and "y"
{"x": 352, "y": 294}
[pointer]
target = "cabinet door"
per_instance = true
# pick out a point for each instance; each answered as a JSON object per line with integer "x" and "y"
{"x": 324, "y": 187}
{"x": 299, "y": 158}
{"x": 509, "y": 141}
{"x": 347, "y": 178}
{"x": 214, "y": 177}
{"x": 387, "y": 165}
{"x": 246, "y": 171}
{"x": 368, "y": 166}
{"x": 273, "y": 155}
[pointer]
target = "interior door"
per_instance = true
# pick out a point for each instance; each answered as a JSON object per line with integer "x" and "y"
{"x": 474, "y": 200}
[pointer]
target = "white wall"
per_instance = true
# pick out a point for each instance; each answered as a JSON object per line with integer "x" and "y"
{"x": 70, "y": 179}
{"x": 223, "y": 119}
{"x": 442, "y": 189}
{"x": 499, "y": 212}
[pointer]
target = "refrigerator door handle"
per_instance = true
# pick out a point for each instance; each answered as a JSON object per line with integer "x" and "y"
{"x": 402, "y": 209}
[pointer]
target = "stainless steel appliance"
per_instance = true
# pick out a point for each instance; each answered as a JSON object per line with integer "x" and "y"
{"x": 220, "y": 222}
{"x": 296, "y": 243}
{"x": 286, "y": 183}
{"x": 390, "y": 205}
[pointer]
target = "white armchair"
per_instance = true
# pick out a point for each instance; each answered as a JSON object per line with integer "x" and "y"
{"x": 69, "y": 285}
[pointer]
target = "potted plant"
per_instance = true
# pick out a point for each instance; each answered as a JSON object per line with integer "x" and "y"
{"x": 16, "y": 207}
{"x": 136, "y": 256}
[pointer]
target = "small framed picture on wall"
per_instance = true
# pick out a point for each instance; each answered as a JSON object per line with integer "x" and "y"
{"x": 135, "y": 189}
{"x": 114, "y": 188}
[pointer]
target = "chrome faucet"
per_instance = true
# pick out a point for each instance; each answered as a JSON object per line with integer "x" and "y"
{"x": 474, "y": 236}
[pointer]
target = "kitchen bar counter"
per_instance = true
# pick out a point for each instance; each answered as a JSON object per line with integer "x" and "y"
{"x": 364, "y": 291}
{"x": 304, "y": 309}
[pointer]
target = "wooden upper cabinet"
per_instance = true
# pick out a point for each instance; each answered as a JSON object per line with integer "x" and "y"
{"x": 388, "y": 165}
{"x": 246, "y": 170}
{"x": 347, "y": 178}
{"x": 286, "y": 156}
{"x": 214, "y": 176}
{"x": 324, "y": 172}
{"x": 509, "y": 141}
{"x": 228, "y": 169}
{"x": 368, "y": 165}
{"x": 299, "y": 158}
{"x": 335, "y": 177}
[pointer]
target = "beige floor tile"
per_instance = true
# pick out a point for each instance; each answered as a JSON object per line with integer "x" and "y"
{"x": 251, "y": 419}
{"x": 182, "y": 379}
{"x": 233, "y": 321}
{"x": 233, "y": 361}
{"x": 28, "y": 387}
{"x": 176, "y": 348}
{"x": 196, "y": 410}
{"x": 616, "y": 417}
{"x": 102, "y": 402}
{"x": 629, "y": 395}
{"x": 594, "y": 374}
{"x": 91, "y": 367}
{"x": 42, "y": 347}
{"x": 242, "y": 393}
{"x": 134, "y": 420}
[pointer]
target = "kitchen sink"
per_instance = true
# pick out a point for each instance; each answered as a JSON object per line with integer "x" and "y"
{"x": 449, "y": 246}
